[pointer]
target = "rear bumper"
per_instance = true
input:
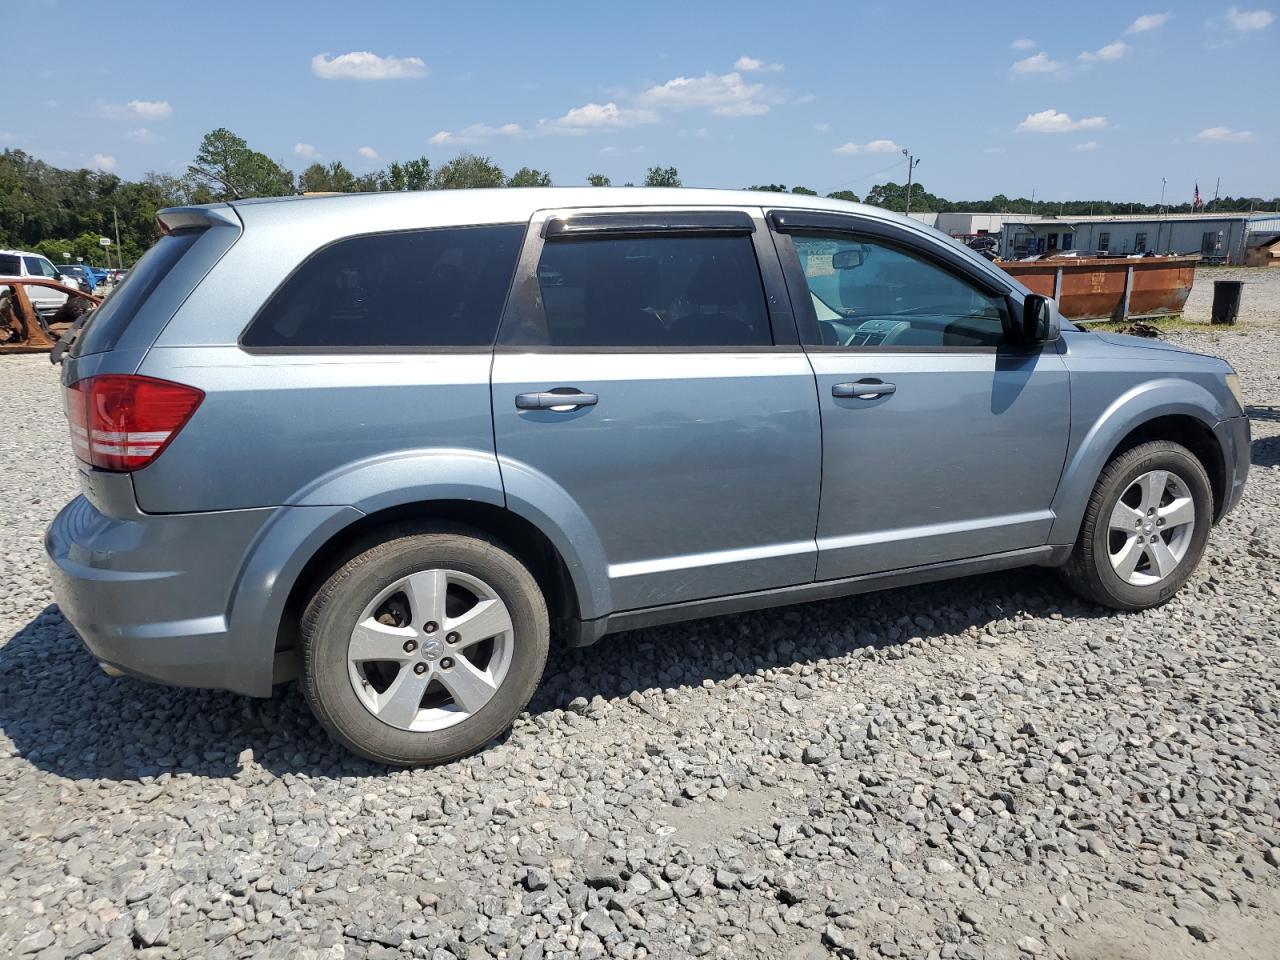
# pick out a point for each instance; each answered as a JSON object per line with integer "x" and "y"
{"x": 191, "y": 600}
{"x": 150, "y": 595}
{"x": 1234, "y": 438}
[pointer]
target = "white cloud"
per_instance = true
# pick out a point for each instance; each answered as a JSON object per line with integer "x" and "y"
{"x": 993, "y": 150}
{"x": 1247, "y": 21}
{"x": 727, "y": 95}
{"x": 146, "y": 109}
{"x": 873, "y": 146}
{"x": 104, "y": 161}
{"x": 305, "y": 150}
{"x": 752, "y": 65}
{"x": 368, "y": 153}
{"x": 1037, "y": 63}
{"x": 1085, "y": 147}
{"x": 1023, "y": 43}
{"x": 141, "y": 135}
{"x": 822, "y": 127}
{"x": 476, "y": 133}
{"x": 1112, "y": 51}
{"x": 363, "y": 65}
{"x": 1224, "y": 135}
{"x": 608, "y": 150}
{"x": 1148, "y": 21}
{"x": 598, "y": 116}
{"x": 1052, "y": 121}
{"x": 151, "y": 109}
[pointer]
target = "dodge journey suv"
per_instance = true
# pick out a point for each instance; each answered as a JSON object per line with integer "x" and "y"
{"x": 393, "y": 444}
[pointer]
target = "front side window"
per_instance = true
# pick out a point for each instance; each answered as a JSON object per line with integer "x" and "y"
{"x": 870, "y": 294}
{"x": 421, "y": 288}
{"x": 666, "y": 292}
{"x": 40, "y": 267}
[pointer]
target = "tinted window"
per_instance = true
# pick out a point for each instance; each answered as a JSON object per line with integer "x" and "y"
{"x": 10, "y": 266}
{"x": 649, "y": 292}
{"x": 867, "y": 294}
{"x": 425, "y": 288}
{"x": 109, "y": 321}
{"x": 39, "y": 267}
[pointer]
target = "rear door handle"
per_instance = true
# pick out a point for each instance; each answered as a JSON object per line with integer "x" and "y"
{"x": 866, "y": 389}
{"x": 554, "y": 400}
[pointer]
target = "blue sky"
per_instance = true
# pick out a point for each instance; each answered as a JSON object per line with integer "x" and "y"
{"x": 1081, "y": 100}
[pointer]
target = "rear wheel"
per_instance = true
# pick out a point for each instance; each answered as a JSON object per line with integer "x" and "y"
{"x": 425, "y": 647}
{"x": 1145, "y": 528}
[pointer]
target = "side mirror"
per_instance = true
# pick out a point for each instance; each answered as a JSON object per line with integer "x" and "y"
{"x": 1040, "y": 321}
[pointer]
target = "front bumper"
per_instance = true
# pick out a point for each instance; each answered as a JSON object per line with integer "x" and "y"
{"x": 1234, "y": 438}
{"x": 151, "y": 595}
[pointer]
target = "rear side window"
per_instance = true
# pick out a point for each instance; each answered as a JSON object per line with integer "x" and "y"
{"x": 641, "y": 292}
{"x": 421, "y": 288}
{"x": 109, "y": 321}
{"x": 10, "y": 266}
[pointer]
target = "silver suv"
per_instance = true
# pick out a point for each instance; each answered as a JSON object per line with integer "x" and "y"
{"x": 397, "y": 443}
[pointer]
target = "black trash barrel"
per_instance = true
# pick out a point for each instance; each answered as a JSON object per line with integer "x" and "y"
{"x": 1226, "y": 300}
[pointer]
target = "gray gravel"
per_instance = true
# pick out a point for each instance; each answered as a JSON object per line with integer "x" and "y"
{"x": 983, "y": 769}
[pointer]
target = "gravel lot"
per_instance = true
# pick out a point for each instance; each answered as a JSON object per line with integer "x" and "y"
{"x": 982, "y": 769}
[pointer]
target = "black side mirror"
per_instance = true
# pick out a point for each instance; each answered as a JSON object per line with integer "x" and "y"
{"x": 849, "y": 259}
{"x": 1040, "y": 323}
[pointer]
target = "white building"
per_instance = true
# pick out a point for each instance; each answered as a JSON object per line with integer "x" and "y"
{"x": 1220, "y": 237}
{"x": 964, "y": 224}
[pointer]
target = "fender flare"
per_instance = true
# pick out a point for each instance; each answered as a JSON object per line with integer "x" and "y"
{"x": 1141, "y": 404}
{"x": 420, "y": 476}
{"x": 335, "y": 501}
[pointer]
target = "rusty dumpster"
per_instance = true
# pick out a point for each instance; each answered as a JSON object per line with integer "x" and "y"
{"x": 1109, "y": 288}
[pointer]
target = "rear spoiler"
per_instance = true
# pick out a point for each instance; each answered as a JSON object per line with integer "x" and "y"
{"x": 189, "y": 218}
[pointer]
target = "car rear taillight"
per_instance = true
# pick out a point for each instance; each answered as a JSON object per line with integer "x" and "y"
{"x": 122, "y": 422}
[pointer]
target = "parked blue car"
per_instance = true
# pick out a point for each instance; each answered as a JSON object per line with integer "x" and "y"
{"x": 396, "y": 443}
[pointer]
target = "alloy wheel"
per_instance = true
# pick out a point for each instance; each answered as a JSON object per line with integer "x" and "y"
{"x": 1151, "y": 528}
{"x": 430, "y": 650}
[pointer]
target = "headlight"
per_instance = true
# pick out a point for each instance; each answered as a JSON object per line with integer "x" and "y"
{"x": 1233, "y": 384}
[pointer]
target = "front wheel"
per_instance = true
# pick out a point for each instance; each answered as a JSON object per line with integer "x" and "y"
{"x": 424, "y": 647}
{"x": 1145, "y": 528}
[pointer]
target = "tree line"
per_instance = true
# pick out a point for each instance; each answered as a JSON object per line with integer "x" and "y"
{"x": 64, "y": 213}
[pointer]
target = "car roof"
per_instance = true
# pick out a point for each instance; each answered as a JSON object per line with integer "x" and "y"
{"x": 24, "y": 253}
{"x": 509, "y": 204}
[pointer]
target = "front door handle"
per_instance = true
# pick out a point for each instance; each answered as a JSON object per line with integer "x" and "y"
{"x": 866, "y": 389}
{"x": 559, "y": 401}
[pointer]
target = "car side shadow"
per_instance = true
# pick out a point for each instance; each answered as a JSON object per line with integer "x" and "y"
{"x": 64, "y": 716}
{"x": 1265, "y": 451}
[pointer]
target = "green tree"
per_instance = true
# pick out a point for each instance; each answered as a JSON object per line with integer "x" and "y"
{"x": 468, "y": 171}
{"x": 599, "y": 180}
{"x": 846, "y": 195}
{"x": 804, "y": 191}
{"x": 528, "y": 177}
{"x": 225, "y": 164}
{"x": 662, "y": 177}
{"x": 769, "y": 187}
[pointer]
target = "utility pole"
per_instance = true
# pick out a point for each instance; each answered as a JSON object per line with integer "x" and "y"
{"x": 1217, "y": 183}
{"x": 1164, "y": 181}
{"x": 116, "y": 217}
{"x": 911, "y": 165}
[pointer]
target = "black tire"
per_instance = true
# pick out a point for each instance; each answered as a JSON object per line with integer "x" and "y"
{"x": 331, "y": 615}
{"x": 1089, "y": 570}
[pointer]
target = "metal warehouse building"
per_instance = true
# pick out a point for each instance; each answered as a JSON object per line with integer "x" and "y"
{"x": 1217, "y": 237}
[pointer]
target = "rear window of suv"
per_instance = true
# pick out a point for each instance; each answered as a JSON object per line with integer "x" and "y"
{"x": 435, "y": 288}
{"x": 105, "y": 324}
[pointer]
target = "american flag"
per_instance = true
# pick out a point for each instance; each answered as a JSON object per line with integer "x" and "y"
{"x": 1196, "y": 203}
